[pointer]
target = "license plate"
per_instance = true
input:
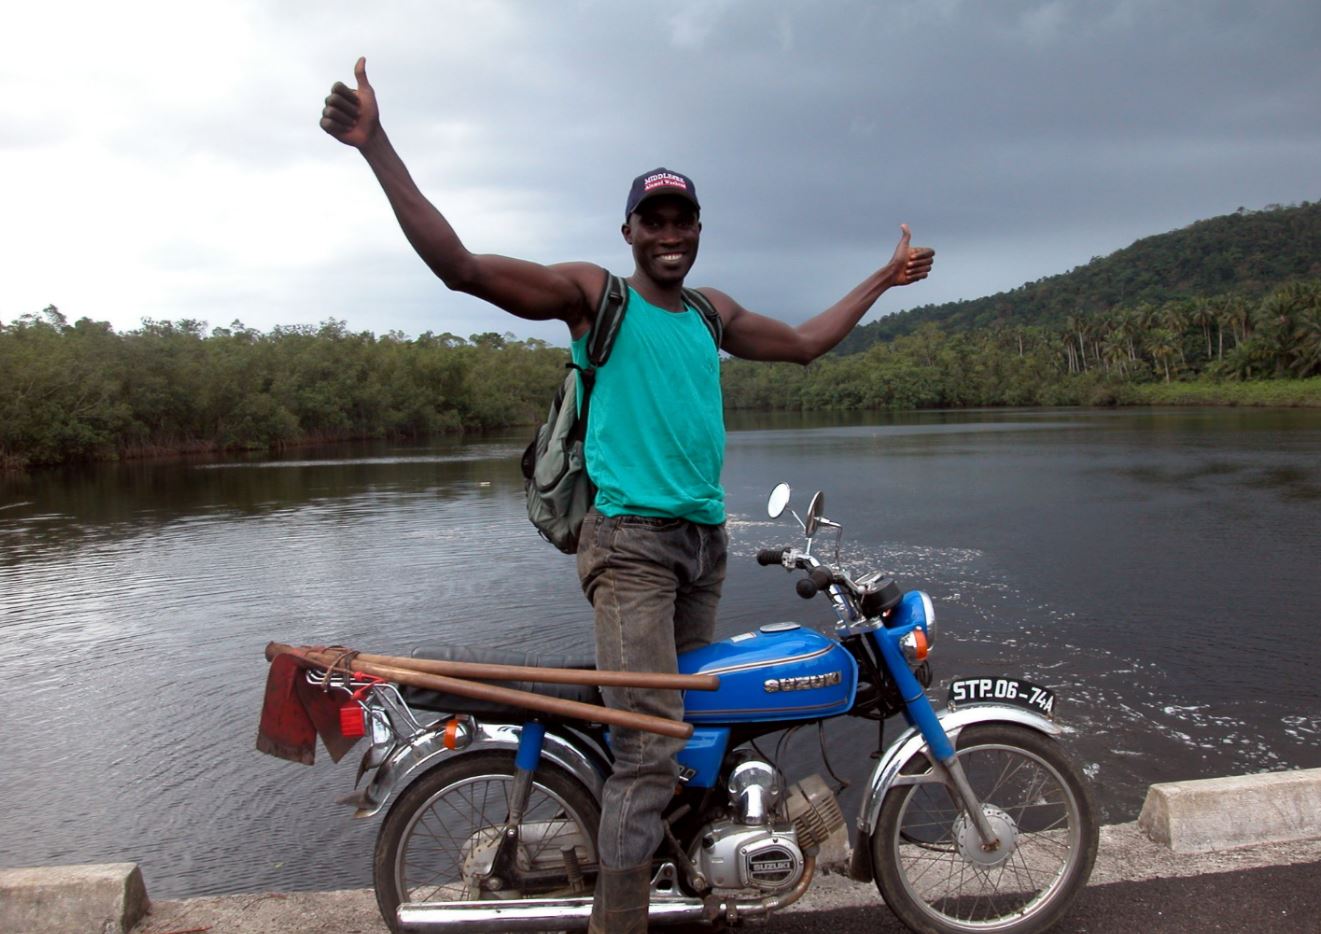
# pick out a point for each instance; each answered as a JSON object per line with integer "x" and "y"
{"x": 1013, "y": 691}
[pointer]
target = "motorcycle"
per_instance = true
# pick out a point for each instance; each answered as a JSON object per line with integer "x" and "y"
{"x": 974, "y": 818}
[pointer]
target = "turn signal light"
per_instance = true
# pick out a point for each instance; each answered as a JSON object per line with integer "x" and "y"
{"x": 456, "y": 733}
{"x": 915, "y": 645}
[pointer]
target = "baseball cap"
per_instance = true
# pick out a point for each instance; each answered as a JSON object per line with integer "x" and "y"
{"x": 660, "y": 181}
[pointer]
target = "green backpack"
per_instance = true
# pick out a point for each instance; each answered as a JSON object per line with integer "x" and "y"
{"x": 559, "y": 492}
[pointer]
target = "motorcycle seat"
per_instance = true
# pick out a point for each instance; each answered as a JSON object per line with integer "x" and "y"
{"x": 455, "y": 703}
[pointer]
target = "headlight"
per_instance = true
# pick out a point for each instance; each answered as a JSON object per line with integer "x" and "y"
{"x": 917, "y": 610}
{"x": 930, "y": 610}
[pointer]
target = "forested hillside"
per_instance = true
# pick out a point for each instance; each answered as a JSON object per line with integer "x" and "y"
{"x": 1098, "y": 358}
{"x": 1248, "y": 253}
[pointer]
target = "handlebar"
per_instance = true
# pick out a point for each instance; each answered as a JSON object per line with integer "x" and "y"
{"x": 817, "y": 580}
{"x": 820, "y": 578}
{"x": 846, "y": 596}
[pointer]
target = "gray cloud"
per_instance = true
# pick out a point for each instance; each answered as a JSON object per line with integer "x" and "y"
{"x": 1018, "y": 138}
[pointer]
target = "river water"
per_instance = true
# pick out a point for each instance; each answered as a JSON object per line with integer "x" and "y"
{"x": 1161, "y": 569}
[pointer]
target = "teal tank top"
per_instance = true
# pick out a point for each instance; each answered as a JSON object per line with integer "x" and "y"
{"x": 656, "y": 430}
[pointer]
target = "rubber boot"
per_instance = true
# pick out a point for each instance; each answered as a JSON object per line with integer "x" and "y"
{"x": 620, "y": 902}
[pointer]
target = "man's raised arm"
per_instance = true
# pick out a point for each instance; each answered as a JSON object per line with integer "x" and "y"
{"x": 529, "y": 290}
{"x": 757, "y": 337}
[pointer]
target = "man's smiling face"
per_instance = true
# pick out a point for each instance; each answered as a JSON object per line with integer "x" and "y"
{"x": 664, "y": 232}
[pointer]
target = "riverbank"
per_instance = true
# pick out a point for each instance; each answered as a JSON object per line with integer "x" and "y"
{"x": 1284, "y": 393}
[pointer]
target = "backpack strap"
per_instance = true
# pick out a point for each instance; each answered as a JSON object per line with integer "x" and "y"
{"x": 600, "y": 341}
{"x": 710, "y": 317}
{"x": 613, "y": 305}
{"x": 609, "y": 315}
{"x": 587, "y": 380}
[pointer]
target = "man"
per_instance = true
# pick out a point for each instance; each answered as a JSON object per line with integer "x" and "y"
{"x": 651, "y": 555}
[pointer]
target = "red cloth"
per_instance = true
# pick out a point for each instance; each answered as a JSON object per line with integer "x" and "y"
{"x": 294, "y": 713}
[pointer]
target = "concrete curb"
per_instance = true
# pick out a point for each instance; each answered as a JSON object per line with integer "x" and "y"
{"x": 1222, "y": 813}
{"x": 1187, "y": 829}
{"x": 106, "y": 898}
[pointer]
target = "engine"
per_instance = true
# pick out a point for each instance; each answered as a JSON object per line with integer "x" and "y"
{"x": 761, "y": 846}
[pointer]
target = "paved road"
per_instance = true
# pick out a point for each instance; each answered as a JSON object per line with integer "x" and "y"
{"x": 1283, "y": 899}
{"x": 1136, "y": 886}
{"x": 1270, "y": 900}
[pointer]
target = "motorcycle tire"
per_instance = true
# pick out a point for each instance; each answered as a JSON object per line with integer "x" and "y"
{"x": 437, "y": 839}
{"x": 929, "y": 863}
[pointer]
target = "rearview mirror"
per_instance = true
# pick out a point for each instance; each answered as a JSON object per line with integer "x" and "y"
{"x": 814, "y": 510}
{"x": 779, "y": 499}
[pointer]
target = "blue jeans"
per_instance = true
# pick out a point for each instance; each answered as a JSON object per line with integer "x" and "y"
{"x": 654, "y": 585}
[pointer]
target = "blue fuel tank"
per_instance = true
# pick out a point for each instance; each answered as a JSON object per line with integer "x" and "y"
{"x": 780, "y": 672}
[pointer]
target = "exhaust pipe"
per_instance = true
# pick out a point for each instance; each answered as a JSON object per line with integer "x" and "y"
{"x": 530, "y": 914}
{"x": 572, "y": 914}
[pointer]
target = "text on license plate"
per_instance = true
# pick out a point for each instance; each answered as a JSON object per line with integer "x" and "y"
{"x": 1002, "y": 691}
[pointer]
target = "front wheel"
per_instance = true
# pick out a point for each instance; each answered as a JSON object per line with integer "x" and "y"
{"x": 931, "y": 866}
{"x": 443, "y": 839}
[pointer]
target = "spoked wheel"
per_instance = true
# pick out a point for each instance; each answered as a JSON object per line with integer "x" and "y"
{"x": 442, "y": 840}
{"x": 931, "y": 865}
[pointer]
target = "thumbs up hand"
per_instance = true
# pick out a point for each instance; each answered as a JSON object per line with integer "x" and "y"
{"x": 909, "y": 263}
{"x": 351, "y": 116}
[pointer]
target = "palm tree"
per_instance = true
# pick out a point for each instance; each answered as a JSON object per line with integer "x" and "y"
{"x": 1203, "y": 316}
{"x": 1125, "y": 329}
{"x": 1147, "y": 316}
{"x": 1241, "y": 315}
{"x": 1307, "y": 343}
{"x": 1162, "y": 345}
{"x": 1174, "y": 316}
{"x": 1304, "y": 299}
{"x": 1224, "y": 315}
{"x": 1116, "y": 352}
{"x": 1275, "y": 332}
{"x": 1065, "y": 339}
{"x": 1076, "y": 325}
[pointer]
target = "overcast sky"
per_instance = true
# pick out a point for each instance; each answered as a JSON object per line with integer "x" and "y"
{"x": 163, "y": 160}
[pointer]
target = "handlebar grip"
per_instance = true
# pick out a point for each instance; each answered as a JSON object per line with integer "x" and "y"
{"x": 821, "y": 578}
{"x": 806, "y": 588}
{"x": 768, "y": 556}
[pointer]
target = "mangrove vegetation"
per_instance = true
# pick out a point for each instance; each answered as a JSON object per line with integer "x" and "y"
{"x": 81, "y": 391}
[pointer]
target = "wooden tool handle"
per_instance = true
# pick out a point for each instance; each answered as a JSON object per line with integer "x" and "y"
{"x": 559, "y": 707}
{"x": 486, "y": 671}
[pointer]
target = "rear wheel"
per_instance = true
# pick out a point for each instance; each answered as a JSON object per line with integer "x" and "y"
{"x": 441, "y": 841}
{"x": 930, "y": 864}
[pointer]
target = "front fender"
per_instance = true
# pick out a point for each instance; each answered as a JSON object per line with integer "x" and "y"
{"x": 427, "y": 749}
{"x": 886, "y": 774}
